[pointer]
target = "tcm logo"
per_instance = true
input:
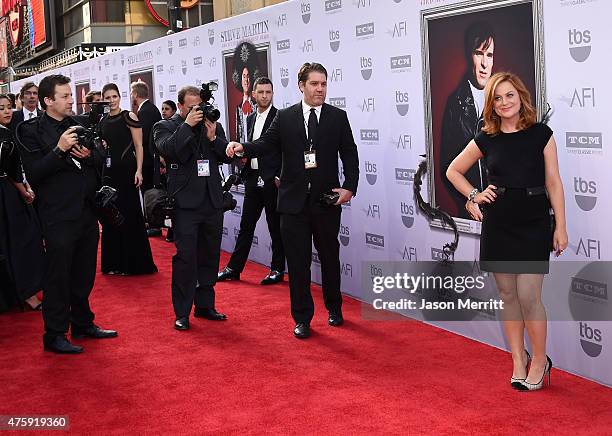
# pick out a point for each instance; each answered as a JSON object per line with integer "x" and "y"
{"x": 336, "y": 75}
{"x": 373, "y": 211}
{"x": 115, "y": 77}
{"x": 283, "y": 45}
{"x": 345, "y": 235}
{"x": 589, "y": 248}
{"x": 589, "y": 288}
{"x": 281, "y": 21}
{"x": 366, "y": 67}
{"x": 590, "y": 340}
{"x": 376, "y": 241}
{"x": 170, "y": 46}
{"x": 409, "y": 253}
{"x": 579, "y": 44}
{"x": 369, "y": 135}
{"x": 184, "y": 66}
{"x": 305, "y": 7}
{"x": 237, "y": 211}
{"x": 404, "y": 175}
{"x": 370, "y": 171}
{"x": 197, "y": 61}
{"x": 368, "y": 105}
{"x": 334, "y": 40}
{"x": 407, "y": 214}
{"x": 338, "y": 102}
{"x": 255, "y": 240}
{"x": 183, "y": 43}
{"x": 402, "y": 102}
{"x": 333, "y": 5}
{"x": 585, "y": 193}
{"x": 583, "y": 97}
{"x": 211, "y": 36}
{"x": 159, "y": 68}
{"x": 307, "y": 46}
{"x": 403, "y": 142}
{"x": 400, "y": 29}
{"x": 364, "y": 30}
{"x": 584, "y": 142}
{"x": 284, "y": 75}
{"x": 401, "y": 62}
{"x": 440, "y": 255}
{"x": 225, "y": 232}
{"x": 346, "y": 269}
{"x": 172, "y": 88}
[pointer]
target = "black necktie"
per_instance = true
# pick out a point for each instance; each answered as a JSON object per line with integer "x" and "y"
{"x": 312, "y": 125}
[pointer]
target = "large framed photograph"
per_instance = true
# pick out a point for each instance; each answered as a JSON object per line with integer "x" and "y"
{"x": 463, "y": 45}
{"x": 146, "y": 76}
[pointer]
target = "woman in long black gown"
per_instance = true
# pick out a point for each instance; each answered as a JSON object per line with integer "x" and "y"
{"x": 125, "y": 249}
{"x": 21, "y": 249}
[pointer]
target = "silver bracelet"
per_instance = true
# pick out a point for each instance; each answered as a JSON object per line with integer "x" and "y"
{"x": 473, "y": 193}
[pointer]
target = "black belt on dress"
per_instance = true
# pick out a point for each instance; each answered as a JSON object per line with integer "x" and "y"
{"x": 536, "y": 190}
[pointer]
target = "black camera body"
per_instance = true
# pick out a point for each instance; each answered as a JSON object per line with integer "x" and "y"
{"x": 211, "y": 113}
{"x": 87, "y": 137}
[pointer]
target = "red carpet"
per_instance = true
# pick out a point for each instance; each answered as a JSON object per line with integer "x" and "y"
{"x": 249, "y": 375}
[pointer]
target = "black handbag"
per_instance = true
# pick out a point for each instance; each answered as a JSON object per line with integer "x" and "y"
{"x": 158, "y": 206}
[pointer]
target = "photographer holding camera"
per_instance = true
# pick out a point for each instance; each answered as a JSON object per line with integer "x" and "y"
{"x": 65, "y": 177}
{"x": 193, "y": 146}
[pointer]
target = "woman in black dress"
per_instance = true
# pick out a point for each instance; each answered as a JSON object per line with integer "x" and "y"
{"x": 21, "y": 249}
{"x": 125, "y": 249}
{"x": 515, "y": 242}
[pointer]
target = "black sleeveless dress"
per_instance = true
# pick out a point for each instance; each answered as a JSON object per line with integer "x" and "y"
{"x": 22, "y": 262}
{"x": 125, "y": 249}
{"x": 516, "y": 233}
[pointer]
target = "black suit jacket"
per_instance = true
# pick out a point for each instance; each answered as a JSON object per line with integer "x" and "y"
{"x": 62, "y": 189}
{"x": 287, "y": 135}
{"x": 18, "y": 118}
{"x": 269, "y": 164}
{"x": 148, "y": 114}
{"x": 178, "y": 143}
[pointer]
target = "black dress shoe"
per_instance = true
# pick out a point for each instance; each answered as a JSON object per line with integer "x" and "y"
{"x": 228, "y": 274}
{"x": 93, "y": 332}
{"x": 181, "y": 324}
{"x": 61, "y": 345}
{"x": 208, "y": 313}
{"x": 154, "y": 232}
{"x": 272, "y": 278}
{"x": 301, "y": 330}
{"x": 335, "y": 319}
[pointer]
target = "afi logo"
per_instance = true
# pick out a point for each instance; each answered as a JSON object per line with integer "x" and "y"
{"x": 589, "y": 248}
{"x": 407, "y": 213}
{"x": 345, "y": 235}
{"x": 583, "y": 97}
{"x": 400, "y": 29}
{"x": 334, "y": 40}
{"x": 281, "y": 21}
{"x": 336, "y": 75}
{"x": 364, "y": 3}
{"x": 308, "y": 46}
{"x": 373, "y": 211}
{"x": 402, "y": 103}
{"x": 404, "y": 142}
{"x": 370, "y": 170}
{"x": 585, "y": 193}
{"x": 590, "y": 340}
{"x": 409, "y": 253}
{"x": 579, "y": 44}
{"x": 346, "y": 269}
{"x": 368, "y": 105}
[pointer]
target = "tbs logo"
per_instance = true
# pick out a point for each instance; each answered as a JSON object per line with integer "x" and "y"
{"x": 579, "y": 44}
{"x": 305, "y": 7}
{"x": 585, "y": 193}
{"x": 371, "y": 174}
{"x": 407, "y": 213}
{"x": 334, "y": 40}
{"x": 402, "y": 103}
{"x": 211, "y": 36}
{"x": 345, "y": 235}
{"x": 284, "y": 74}
{"x": 590, "y": 340}
{"x": 366, "y": 67}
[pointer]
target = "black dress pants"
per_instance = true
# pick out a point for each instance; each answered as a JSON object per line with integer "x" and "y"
{"x": 318, "y": 224}
{"x": 71, "y": 251}
{"x": 257, "y": 199}
{"x": 197, "y": 236}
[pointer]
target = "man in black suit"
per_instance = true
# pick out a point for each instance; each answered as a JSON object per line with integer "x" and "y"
{"x": 29, "y": 100}
{"x": 260, "y": 176}
{"x": 65, "y": 178}
{"x": 148, "y": 114}
{"x": 310, "y": 135}
{"x": 193, "y": 148}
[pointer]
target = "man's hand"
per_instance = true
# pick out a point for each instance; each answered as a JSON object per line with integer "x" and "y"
{"x": 68, "y": 139}
{"x": 138, "y": 179}
{"x": 195, "y": 116}
{"x": 211, "y": 130}
{"x": 80, "y": 152}
{"x": 345, "y": 195}
{"x": 277, "y": 182}
{"x": 234, "y": 148}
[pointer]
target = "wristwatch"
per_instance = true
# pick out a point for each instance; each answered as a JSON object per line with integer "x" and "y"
{"x": 473, "y": 193}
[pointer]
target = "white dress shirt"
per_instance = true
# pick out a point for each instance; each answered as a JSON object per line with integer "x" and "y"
{"x": 260, "y": 120}
{"x": 26, "y": 114}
